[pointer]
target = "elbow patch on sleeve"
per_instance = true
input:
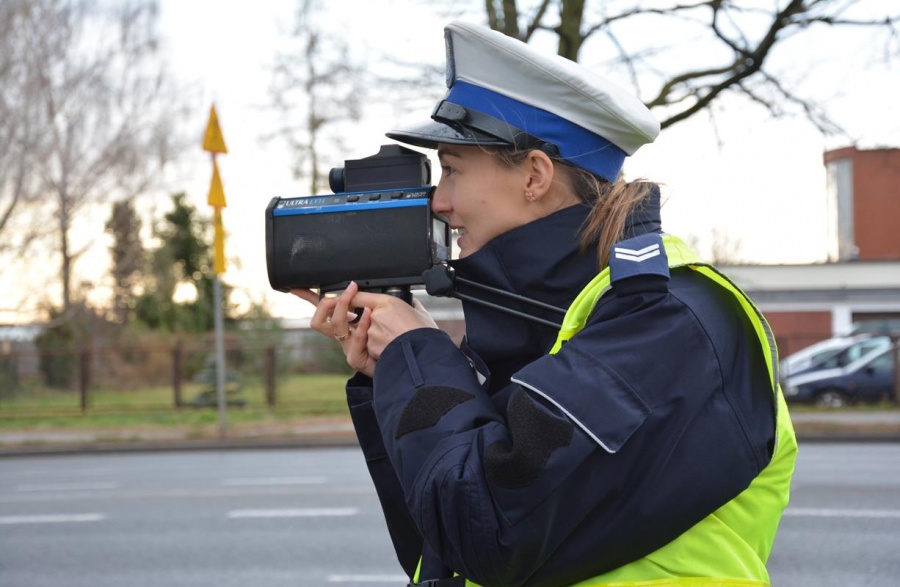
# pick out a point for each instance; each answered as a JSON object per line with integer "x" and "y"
{"x": 535, "y": 435}
{"x": 428, "y": 406}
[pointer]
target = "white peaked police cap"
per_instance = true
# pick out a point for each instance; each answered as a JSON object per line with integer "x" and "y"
{"x": 504, "y": 92}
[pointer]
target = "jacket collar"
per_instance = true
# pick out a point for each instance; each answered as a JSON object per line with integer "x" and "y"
{"x": 543, "y": 261}
{"x": 540, "y": 260}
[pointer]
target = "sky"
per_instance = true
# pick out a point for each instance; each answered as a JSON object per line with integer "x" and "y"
{"x": 758, "y": 180}
{"x": 228, "y": 51}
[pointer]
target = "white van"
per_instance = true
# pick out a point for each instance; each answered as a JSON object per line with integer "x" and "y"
{"x": 840, "y": 350}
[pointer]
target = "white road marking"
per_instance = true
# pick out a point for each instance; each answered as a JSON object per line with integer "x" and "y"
{"x": 269, "y": 481}
{"x": 293, "y": 513}
{"x": 87, "y": 486}
{"x": 51, "y": 519}
{"x": 128, "y": 495}
{"x": 841, "y": 513}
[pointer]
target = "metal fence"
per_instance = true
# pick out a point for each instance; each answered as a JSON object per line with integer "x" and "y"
{"x": 135, "y": 377}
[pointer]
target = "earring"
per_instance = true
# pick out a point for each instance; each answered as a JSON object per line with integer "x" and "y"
{"x": 529, "y": 196}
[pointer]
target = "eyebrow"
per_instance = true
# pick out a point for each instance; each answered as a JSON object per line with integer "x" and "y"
{"x": 447, "y": 151}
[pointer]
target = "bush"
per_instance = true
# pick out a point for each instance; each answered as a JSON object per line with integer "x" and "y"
{"x": 57, "y": 357}
{"x": 9, "y": 377}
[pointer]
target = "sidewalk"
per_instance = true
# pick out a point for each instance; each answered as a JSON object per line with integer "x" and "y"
{"x": 851, "y": 424}
{"x": 818, "y": 426}
{"x": 311, "y": 432}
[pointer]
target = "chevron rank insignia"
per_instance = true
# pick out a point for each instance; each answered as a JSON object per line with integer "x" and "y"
{"x": 641, "y": 255}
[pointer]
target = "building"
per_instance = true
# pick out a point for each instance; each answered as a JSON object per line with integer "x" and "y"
{"x": 864, "y": 204}
{"x": 859, "y": 285}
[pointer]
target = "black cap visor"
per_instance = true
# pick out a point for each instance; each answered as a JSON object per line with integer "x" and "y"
{"x": 430, "y": 134}
{"x": 456, "y": 125}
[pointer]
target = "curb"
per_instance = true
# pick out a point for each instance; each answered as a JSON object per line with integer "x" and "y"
{"x": 173, "y": 446}
{"x": 313, "y": 433}
{"x": 336, "y": 438}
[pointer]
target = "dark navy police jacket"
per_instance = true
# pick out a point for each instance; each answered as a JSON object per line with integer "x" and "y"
{"x": 661, "y": 412}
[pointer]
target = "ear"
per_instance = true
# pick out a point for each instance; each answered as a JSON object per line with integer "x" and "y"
{"x": 540, "y": 170}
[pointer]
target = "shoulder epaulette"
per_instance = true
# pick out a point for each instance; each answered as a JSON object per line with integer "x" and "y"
{"x": 640, "y": 255}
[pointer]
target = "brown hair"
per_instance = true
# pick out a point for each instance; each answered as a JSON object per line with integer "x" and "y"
{"x": 611, "y": 202}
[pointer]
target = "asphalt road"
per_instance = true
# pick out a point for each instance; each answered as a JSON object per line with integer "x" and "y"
{"x": 309, "y": 517}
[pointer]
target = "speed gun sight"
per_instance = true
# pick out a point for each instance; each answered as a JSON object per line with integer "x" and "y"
{"x": 376, "y": 229}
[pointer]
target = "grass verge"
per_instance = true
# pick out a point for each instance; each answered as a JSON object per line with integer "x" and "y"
{"x": 297, "y": 397}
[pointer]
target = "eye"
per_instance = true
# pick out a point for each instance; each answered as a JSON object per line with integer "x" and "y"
{"x": 447, "y": 170}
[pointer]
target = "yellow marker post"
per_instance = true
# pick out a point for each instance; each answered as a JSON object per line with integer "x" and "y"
{"x": 216, "y": 199}
{"x": 218, "y": 243}
{"x": 214, "y": 142}
{"x": 216, "y": 192}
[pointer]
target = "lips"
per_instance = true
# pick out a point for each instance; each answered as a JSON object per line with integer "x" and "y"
{"x": 459, "y": 234}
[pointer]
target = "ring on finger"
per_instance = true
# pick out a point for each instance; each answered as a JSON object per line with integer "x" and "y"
{"x": 342, "y": 337}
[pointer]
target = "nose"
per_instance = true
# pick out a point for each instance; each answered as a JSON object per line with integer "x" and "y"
{"x": 440, "y": 202}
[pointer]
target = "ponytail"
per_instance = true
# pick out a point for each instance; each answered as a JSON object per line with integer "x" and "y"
{"x": 611, "y": 205}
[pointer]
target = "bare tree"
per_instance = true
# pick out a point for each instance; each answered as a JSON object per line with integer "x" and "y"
{"x": 315, "y": 86}
{"x": 723, "y": 249}
{"x": 103, "y": 105}
{"x": 739, "y": 40}
{"x": 19, "y": 133}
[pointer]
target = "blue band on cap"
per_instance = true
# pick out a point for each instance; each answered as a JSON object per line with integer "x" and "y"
{"x": 576, "y": 144}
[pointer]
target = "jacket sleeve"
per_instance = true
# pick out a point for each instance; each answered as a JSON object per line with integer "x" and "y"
{"x": 401, "y": 527}
{"x": 591, "y": 458}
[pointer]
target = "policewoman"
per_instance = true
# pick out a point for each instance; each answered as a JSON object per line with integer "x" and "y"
{"x": 643, "y": 442}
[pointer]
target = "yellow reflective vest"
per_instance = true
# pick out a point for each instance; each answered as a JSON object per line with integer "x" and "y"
{"x": 730, "y": 547}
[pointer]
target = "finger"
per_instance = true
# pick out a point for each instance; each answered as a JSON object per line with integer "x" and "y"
{"x": 373, "y": 343}
{"x": 321, "y": 319}
{"x": 365, "y": 299}
{"x": 357, "y": 314}
{"x": 357, "y": 353}
{"x": 339, "y": 315}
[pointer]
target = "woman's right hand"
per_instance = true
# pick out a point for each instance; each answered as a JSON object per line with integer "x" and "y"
{"x": 333, "y": 318}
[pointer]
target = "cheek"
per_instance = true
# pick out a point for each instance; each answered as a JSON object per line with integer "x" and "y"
{"x": 489, "y": 207}
{"x": 471, "y": 201}
{"x": 505, "y": 207}
{"x": 492, "y": 220}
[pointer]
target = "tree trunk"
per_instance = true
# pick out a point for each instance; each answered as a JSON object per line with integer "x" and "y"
{"x": 570, "y": 36}
{"x": 66, "y": 262}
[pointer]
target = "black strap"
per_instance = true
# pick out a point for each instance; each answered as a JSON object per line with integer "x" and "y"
{"x": 448, "y": 112}
{"x": 449, "y": 582}
{"x": 432, "y": 566}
